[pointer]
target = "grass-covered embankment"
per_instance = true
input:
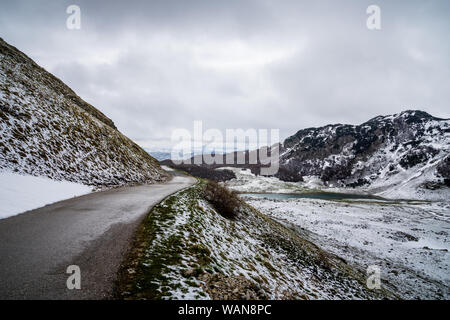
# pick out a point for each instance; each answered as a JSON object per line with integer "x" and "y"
{"x": 186, "y": 249}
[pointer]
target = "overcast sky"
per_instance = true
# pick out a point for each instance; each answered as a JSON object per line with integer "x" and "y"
{"x": 153, "y": 66}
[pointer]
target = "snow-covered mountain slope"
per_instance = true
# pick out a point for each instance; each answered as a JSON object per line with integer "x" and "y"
{"x": 47, "y": 130}
{"x": 401, "y": 155}
{"x": 187, "y": 249}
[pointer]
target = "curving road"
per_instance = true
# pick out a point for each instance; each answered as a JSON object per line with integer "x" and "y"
{"x": 92, "y": 232}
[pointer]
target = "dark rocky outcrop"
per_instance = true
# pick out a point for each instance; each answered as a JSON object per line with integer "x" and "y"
{"x": 355, "y": 155}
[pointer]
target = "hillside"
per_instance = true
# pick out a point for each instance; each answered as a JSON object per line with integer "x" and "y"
{"x": 47, "y": 130}
{"x": 408, "y": 151}
{"x": 194, "y": 163}
{"x": 188, "y": 248}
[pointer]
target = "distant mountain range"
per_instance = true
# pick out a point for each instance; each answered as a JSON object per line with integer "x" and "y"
{"x": 47, "y": 130}
{"x": 401, "y": 155}
{"x": 160, "y": 155}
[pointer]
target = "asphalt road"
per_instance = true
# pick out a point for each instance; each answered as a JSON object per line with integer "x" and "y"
{"x": 92, "y": 232}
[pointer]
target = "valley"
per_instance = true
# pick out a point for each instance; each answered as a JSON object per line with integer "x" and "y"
{"x": 407, "y": 239}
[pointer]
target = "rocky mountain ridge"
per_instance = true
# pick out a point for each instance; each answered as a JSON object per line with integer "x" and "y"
{"x": 387, "y": 151}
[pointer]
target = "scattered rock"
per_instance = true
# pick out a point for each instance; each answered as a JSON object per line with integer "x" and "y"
{"x": 222, "y": 287}
{"x": 403, "y": 236}
{"x": 188, "y": 273}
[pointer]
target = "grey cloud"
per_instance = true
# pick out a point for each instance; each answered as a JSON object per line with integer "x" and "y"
{"x": 154, "y": 66}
